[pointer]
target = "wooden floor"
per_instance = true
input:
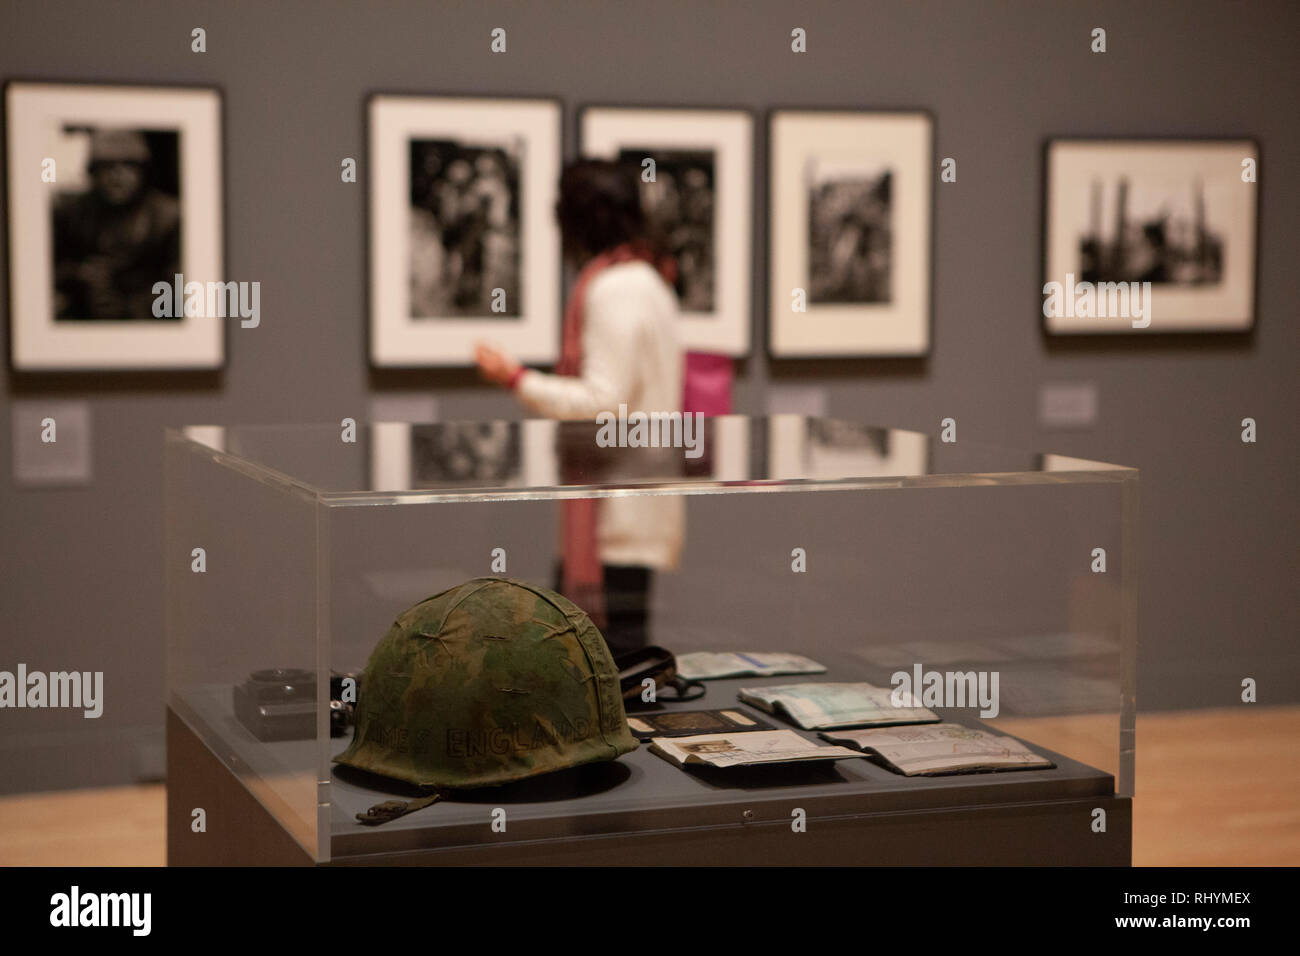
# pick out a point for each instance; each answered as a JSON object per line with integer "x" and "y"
{"x": 1214, "y": 788}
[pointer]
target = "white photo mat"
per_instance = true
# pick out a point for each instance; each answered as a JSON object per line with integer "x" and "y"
{"x": 396, "y": 339}
{"x": 35, "y": 114}
{"x": 903, "y": 142}
{"x": 1230, "y": 206}
{"x": 730, "y": 135}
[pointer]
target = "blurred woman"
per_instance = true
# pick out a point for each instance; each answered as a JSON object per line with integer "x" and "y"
{"x": 619, "y": 347}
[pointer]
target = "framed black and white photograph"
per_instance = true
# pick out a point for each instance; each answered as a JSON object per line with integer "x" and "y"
{"x": 463, "y": 241}
{"x": 850, "y": 233}
{"x": 114, "y": 192}
{"x": 696, "y": 169}
{"x": 1171, "y": 224}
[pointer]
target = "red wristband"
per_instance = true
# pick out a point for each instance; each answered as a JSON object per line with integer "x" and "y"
{"x": 515, "y": 376}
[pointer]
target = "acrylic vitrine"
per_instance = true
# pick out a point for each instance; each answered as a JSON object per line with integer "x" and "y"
{"x": 873, "y": 551}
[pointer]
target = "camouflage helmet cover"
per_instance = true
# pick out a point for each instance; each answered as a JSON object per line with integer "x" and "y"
{"x": 491, "y": 681}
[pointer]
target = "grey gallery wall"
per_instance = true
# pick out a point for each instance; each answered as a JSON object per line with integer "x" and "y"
{"x": 81, "y": 566}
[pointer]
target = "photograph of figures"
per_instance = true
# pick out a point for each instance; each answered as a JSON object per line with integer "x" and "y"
{"x": 463, "y": 242}
{"x": 850, "y": 233}
{"x": 465, "y": 229}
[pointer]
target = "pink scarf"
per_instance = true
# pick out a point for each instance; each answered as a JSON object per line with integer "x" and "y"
{"x": 583, "y": 578}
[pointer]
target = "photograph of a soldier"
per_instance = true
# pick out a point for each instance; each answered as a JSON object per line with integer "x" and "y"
{"x": 619, "y": 347}
{"x": 117, "y": 224}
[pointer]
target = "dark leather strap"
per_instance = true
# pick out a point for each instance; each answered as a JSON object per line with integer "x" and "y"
{"x": 392, "y": 809}
{"x": 686, "y": 689}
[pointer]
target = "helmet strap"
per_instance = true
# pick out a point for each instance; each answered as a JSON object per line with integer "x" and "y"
{"x": 686, "y": 689}
{"x": 392, "y": 809}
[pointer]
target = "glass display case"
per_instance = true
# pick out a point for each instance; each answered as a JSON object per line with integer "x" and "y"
{"x": 1002, "y": 581}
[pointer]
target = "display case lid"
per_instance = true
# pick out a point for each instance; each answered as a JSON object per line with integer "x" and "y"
{"x": 369, "y": 463}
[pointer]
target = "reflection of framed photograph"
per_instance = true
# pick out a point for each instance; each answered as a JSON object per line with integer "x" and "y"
{"x": 697, "y": 198}
{"x": 112, "y": 189}
{"x": 463, "y": 241}
{"x": 454, "y": 453}
{"x": 460, "y": 455}
{"x": 826, "y": 448}
{"x": 1174, "y": 213}
{"x": 850, "y": 239}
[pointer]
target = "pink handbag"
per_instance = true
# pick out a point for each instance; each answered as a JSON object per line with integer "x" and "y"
{"x": 707, "y": 383}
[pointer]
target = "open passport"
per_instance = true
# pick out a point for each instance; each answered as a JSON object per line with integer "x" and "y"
{"x": 817, "y": 706}
{"x": 941, "y": 748}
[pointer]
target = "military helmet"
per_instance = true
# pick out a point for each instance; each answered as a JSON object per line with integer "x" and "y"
{"x": 491, "y": 681}
{"x": 118, "y": 146}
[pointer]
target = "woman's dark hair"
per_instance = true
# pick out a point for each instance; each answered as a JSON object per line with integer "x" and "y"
{"x": 599, "y": 206}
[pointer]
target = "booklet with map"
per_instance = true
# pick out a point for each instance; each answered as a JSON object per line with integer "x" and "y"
{"x": 827, "y": 706}
{"x": 708, "y": 665}
{"x": 745, "y": 749}
{"x": 940, "y": 749}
